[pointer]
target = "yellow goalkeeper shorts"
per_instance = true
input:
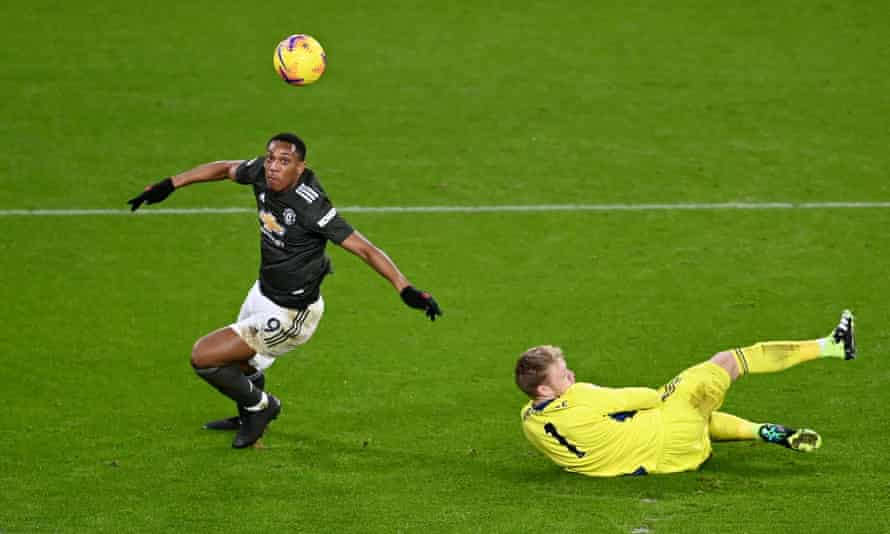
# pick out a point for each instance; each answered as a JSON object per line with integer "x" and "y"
{"x": 689, "y": 399}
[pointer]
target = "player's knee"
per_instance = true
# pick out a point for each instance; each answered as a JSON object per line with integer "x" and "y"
{"x": 200, "y": 355}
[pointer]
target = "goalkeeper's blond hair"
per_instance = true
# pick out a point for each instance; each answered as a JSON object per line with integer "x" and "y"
{"x": 532, "y": 367}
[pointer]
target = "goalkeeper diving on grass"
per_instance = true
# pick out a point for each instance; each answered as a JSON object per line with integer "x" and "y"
{"x": 603, "y": 432}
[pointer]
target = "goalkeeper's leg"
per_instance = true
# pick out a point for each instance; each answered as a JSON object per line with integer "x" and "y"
{"x": 728, "y": 427}
{"x": 775, "y": 356}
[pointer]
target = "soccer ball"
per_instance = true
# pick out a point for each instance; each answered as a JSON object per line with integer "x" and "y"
{"x": 299, "y": 60}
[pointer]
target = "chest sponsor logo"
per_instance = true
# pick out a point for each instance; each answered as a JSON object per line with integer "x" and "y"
{"x": 271, "y": 224}
{"x": 290, "y": 217}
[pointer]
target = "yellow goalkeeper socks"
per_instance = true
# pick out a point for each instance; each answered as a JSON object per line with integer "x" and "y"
{"x": 728, "y": 427}
{"x": 775, "y": 356}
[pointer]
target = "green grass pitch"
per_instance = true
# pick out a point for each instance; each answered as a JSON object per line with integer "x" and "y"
{"x": 390, "y": 423}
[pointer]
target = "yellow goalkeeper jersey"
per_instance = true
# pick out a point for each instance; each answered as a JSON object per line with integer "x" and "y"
{"x": 598, "y": 431}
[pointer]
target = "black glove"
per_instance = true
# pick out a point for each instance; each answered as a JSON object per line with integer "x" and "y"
{"x": 421, "y": 300}
{"x": 153, "y": 194}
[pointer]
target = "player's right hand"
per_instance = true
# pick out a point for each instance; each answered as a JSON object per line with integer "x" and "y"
{"x": 153, "y": 194}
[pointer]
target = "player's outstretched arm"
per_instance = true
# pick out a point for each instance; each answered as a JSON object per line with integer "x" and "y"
{"x": 380, "y": 262}
{"x": 207, "y": 172}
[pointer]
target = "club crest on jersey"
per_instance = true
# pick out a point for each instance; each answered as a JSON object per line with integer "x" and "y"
{"x": 270, "y": 223}
{"x": 290, "y": 217}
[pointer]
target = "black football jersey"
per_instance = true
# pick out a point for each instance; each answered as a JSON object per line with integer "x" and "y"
{"x": 295, "y": 226}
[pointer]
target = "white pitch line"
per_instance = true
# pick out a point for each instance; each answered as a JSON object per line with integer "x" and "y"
{"x": 472, "y": 209}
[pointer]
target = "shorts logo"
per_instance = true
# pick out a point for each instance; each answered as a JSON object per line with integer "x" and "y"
{"x": 272, "y": 325}
{"x": 670, "y": 388}
{"x": 292, "y": 331}
{"x": 290, "y": 217}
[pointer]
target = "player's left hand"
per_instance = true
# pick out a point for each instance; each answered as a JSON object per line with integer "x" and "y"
{"x": 421, "y": 300}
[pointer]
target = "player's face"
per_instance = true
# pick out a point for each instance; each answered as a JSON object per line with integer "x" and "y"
{"x": 283, "y": 166}
{"x": 559, "y": 378}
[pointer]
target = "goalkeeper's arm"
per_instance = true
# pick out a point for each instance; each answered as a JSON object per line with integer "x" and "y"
{"x": 632, "y": 399}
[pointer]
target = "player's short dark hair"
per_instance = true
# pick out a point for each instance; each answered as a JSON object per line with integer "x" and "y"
{"x": 288, "y": 137}
{"x": 532, "y": 367}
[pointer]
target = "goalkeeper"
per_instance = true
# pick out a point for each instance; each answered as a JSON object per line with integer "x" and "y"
{"x": 603, "y": 432}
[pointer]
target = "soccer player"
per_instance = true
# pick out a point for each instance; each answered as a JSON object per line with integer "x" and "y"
{"x": 284, "y": 306}
{"x": 603, "y": 432}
